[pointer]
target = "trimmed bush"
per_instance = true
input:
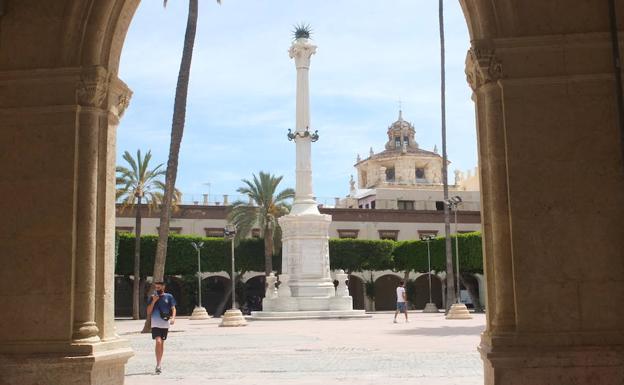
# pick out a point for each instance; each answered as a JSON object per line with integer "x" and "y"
{"x": 412, "y": 255}
{"x": 348, "y": 254}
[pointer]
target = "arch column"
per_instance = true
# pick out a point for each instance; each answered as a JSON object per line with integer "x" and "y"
{"x": 552, "y": 179}
{"x": 59, "y": 291}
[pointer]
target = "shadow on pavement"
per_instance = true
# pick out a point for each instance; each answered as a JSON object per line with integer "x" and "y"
{"x": 141, "y": 374}
{"x": 444, "y": 331}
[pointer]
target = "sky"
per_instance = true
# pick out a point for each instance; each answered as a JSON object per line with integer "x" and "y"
{"x": 241, "y": 103}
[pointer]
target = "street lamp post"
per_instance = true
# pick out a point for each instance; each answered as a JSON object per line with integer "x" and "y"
{"x": 454, "y": 203}
{"x": 233, "y": 316}
{"x": 458, "y": 310}
{"x": 430, "y": 307}
{"x": 199, "y": 312}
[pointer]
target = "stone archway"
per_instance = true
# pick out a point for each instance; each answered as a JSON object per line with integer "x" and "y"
{"x": 550, "y": 161}
{"x": 356, "y": 290}
{"x": 123, "y": 296}
{"x": 254, "y": 292}
{"x": 385, "y": 292}
{"x": 421, "y": 291}
{"x": 216, "y": 292}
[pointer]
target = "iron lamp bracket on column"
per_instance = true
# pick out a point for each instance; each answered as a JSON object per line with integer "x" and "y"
{"x": 313, "y": 136}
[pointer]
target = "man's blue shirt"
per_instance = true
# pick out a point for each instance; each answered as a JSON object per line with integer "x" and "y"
{"x": 162, "y": 305}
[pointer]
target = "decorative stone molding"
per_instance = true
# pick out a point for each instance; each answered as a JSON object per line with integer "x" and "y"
{"x": 122, "y": 104}
{"x": 301, "y": 51}
{"x": 92, "y": 88}
{"x": 119, "y": 97}
{"x": 482, "y": 67}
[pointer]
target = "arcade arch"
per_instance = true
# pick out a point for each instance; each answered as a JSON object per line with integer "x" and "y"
{"x": 550, "y": 151}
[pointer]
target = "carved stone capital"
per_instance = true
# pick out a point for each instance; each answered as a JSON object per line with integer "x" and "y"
{"x": 301, "y": 51}
{"x": 92, "y": 88}
{"x": 482, "y": 67}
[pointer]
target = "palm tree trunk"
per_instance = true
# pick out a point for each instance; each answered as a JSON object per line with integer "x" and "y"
{"x": 450, "y": 277}
{"x": 177, "y": 130}
{"x": 136, "y": 284}
{"x": 268, "y": 250}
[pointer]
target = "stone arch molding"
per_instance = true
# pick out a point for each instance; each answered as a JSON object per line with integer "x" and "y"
{"x": 59, "y": 72}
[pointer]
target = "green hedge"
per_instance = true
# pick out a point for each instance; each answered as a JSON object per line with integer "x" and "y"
{"x": 412, "y": 255}
{"x": 359, "y": 254}
{"x": 347, "y": 254}
{"x": 182, "y": 256}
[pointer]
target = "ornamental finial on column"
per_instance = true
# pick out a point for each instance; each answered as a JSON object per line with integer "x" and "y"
{"x": 302, "y": 49}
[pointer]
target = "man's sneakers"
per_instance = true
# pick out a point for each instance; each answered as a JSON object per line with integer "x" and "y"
{"x": 395, "y": 321}
{"x": 158, "y": 370}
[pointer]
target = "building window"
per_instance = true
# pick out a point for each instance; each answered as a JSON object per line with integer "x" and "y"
{"x": 439, "y": 205}
{"x": 405, "y": 205}
{"x": 172, "y": 230}
{"x": 255, "y": 233}
{"x": 391, "y": 235}
{"x": 360, "y": 206}
{"x": 397, "y": 142}
{"x": 372, "y": 204}
{"x": 406, "y": 140}
{"x": 352, "y": 234}
{"x": 364, "y": 180}
{"x": 124, "y": 229}
{"x": 390, "y": 174}
{"x": 367, "y": 206}
{"x": 428, "y": 233}
{"x": 214, "y": 232}
{"x": 420, "y": 173}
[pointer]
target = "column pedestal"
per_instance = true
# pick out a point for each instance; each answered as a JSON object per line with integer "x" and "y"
{"x": 96, "y": 364}
{"x": 535, "y": 365}
{"x": 199, "y": 313}
{"x": 458, "y": 311}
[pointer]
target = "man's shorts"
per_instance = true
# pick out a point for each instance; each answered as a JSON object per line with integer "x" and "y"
{"x": 401, "y": 307}
{"x": 160, "y": 332}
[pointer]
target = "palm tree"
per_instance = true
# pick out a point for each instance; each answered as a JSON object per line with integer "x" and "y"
{"x": 136, "y": 186}
{"x": 177, "y": 130}
{"x": 450, "y": 280}
{"x": 266, "y": 208}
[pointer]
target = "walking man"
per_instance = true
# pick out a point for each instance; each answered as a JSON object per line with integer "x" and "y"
{"x": 161, "y": 308}
{"x": 401, "y": 301}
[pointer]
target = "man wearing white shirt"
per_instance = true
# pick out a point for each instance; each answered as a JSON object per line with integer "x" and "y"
{"x": 401, "y": 301}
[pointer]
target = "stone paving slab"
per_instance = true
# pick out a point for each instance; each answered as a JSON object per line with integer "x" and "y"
{"x": 429, "y": 350}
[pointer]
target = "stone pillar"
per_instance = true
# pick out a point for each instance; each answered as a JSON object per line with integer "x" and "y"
{"x": 91, "y": 96}
{"x": 118, "y": 100}
{"x": 57, "y": 138}
{"x": 550, "y": 163}
{"x": 483, "y": 70}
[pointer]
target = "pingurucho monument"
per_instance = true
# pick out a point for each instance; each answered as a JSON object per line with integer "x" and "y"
{"x": 306, "y": 288}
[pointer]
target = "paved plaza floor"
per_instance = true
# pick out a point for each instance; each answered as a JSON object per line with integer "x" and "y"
{"x": 429, "y": 350}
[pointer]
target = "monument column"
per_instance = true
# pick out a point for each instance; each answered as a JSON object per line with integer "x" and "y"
{"x": 306, "y": 286}
{"x": 301, "y": 51}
